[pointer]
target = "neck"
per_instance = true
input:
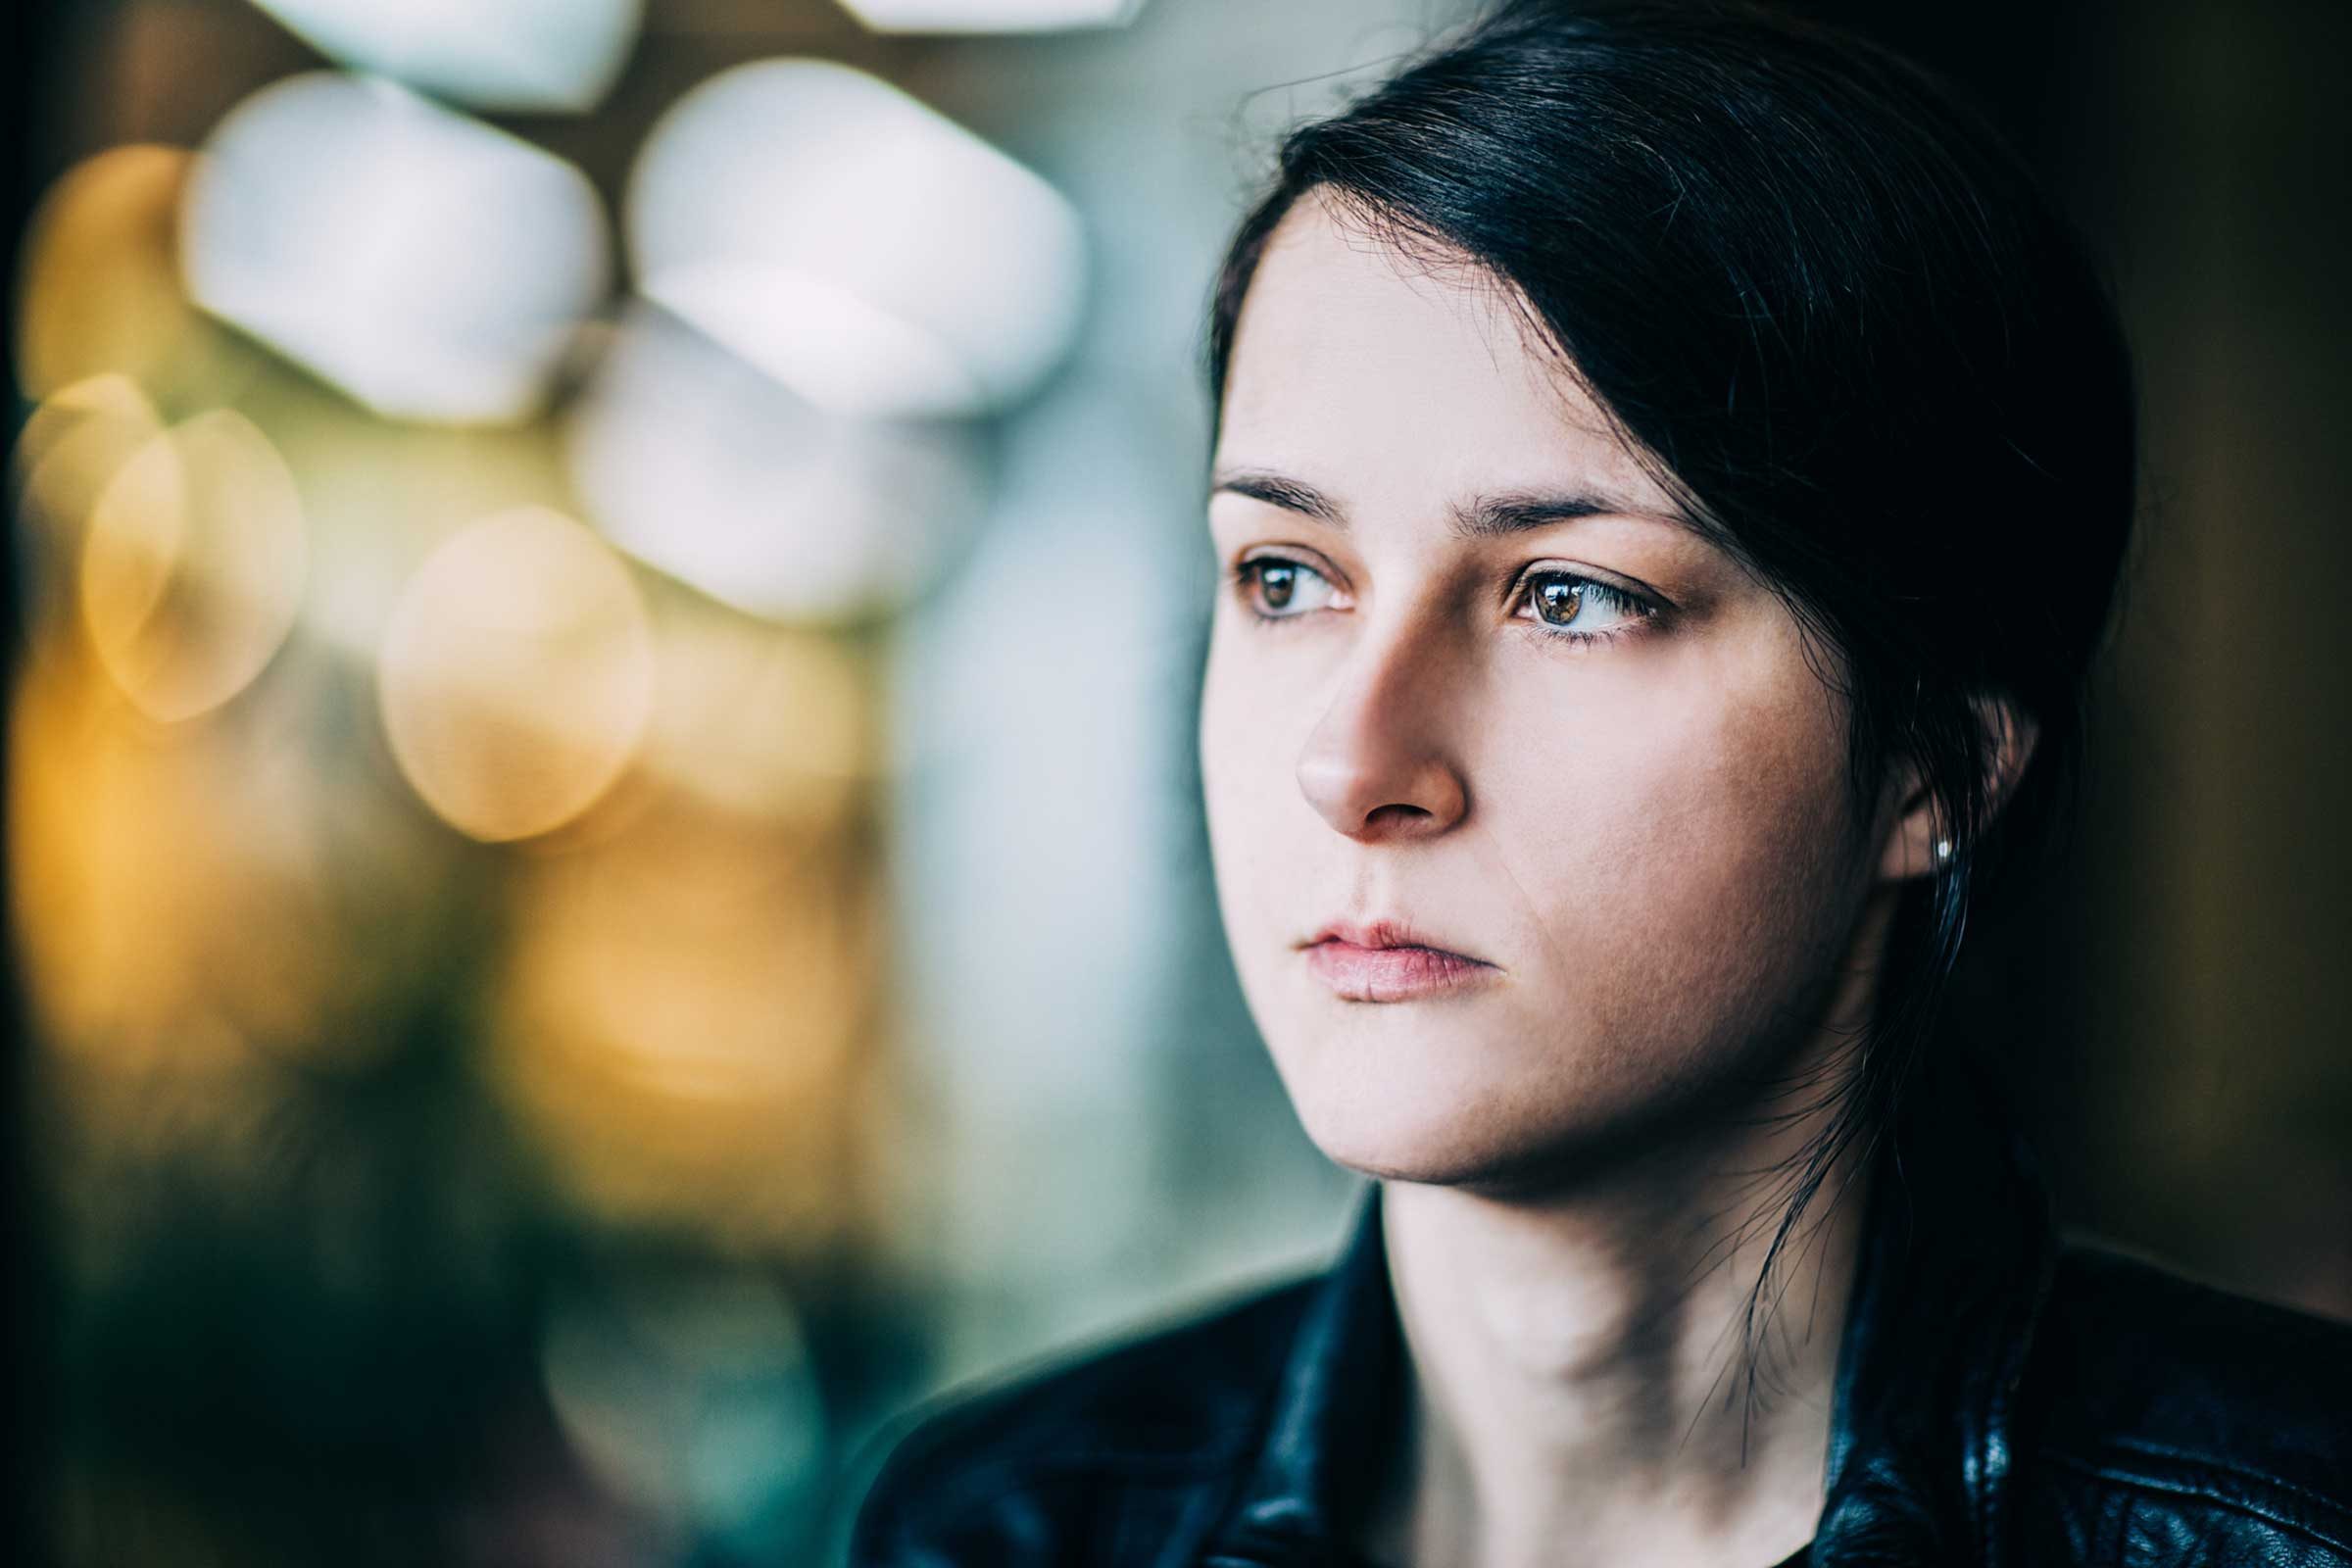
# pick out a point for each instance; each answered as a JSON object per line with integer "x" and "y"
{"x": 1583, "y": 1366}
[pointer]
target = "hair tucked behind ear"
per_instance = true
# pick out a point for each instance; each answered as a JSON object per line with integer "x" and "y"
{"x": 1837, "y": 318}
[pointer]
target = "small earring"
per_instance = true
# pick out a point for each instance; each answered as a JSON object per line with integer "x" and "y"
{"x": 1943, "y": 849}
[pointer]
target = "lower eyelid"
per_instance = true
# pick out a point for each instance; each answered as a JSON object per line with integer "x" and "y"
{"x": 1560, "y": 639}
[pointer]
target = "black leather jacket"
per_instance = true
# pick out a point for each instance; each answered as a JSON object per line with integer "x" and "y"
{"x": 2003, "y": 1397}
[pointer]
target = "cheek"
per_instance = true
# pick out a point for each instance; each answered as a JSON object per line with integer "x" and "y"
{"x": 1677, "y": 857}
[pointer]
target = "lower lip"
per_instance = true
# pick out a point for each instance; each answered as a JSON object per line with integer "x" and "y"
{"x": 1393, "y": 974}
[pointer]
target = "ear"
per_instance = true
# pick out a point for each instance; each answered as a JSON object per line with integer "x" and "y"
{"x": 1910, "y": 845}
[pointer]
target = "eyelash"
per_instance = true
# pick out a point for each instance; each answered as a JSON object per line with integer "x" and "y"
{"x": 1640, "y": 610}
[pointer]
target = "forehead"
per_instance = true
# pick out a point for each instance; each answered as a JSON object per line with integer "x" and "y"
{"x": 1390, "y": 376}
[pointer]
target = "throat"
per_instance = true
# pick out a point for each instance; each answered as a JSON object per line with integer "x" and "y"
{"x": 1587, "y": 1373}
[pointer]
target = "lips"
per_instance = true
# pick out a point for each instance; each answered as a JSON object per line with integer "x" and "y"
{"x": 1387, "y": 960}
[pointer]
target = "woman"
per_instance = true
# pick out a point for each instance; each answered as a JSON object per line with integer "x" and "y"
{"x": 1672, "y": 474}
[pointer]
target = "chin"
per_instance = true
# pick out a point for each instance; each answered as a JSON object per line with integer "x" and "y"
{"x": 1411, "y": 1127}
{"x": 1426, "y": 1121}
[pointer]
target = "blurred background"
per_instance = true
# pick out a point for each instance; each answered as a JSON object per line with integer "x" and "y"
{"x": 605, "y": 882}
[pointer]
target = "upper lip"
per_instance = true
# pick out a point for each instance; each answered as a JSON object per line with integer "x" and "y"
{"x": 1384, "y": 933}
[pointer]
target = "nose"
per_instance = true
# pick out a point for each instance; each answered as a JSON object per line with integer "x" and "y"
{"x": 1377, "y": 765}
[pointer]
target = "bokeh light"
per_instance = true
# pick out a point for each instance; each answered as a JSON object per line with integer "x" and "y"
{"x": 62, "y": 421}
{"x": 991, "y": 16}
{"x": 491, "y": 54}
{"x": 699, "y": 464}
{"x": 858, "y": 245}
{"x": 689, "y": 1008}
{"x": 685, "y": 1055}
{"x": 428, "y": 265}
{"x": 193, "y": 566}
{"x": 770, "y": 724}
{"x": 100, "y": 288}
{"x": 380, "y": 496}
{"x": 115, "y": 861}
{"x": 516, "y": 675}
{"x": 73, "y": 445}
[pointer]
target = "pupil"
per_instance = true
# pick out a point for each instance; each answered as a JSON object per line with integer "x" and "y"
{"x": 1278, "y": 585}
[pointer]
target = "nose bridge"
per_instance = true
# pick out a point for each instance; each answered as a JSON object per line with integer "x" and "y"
{"x": 1383, "y": 741}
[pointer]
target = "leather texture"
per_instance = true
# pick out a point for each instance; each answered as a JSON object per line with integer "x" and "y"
{"x": 2006, "y": 1396}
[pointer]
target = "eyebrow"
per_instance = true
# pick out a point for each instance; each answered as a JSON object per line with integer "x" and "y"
{"x": 1483, "y": 517}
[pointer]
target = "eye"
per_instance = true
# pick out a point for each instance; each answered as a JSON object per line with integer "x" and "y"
{"x": 1277, "y": 588}
{"x": 1584, "y": 610}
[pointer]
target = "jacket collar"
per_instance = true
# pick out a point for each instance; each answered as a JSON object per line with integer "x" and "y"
{"x": 1957, "y": 1254}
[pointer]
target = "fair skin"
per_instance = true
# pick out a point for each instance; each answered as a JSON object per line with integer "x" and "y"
{"x": 1643, "y": 840}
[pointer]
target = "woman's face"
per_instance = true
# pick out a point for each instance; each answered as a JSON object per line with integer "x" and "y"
{"x": 1506, "y": 703}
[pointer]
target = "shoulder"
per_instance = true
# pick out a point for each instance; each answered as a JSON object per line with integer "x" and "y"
{"x": 2163, "y": 1415}
{"x": 1150, "y": 1423}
